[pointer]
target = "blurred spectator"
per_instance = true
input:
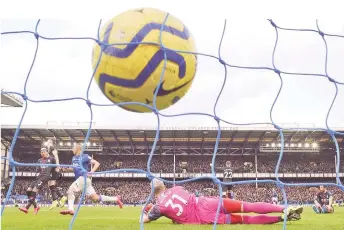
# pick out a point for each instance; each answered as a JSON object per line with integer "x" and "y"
{"x": 196, "y": 164}
{"x": 136, "y": 191}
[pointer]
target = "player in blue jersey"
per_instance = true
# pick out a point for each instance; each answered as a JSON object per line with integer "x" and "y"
{"x": 274, "y": 197}
{"x": 79, "y": 183}
{"x": 323, "y": 201}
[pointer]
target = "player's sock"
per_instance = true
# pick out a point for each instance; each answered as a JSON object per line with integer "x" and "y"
{"x": 261, "y": 207}
{"x": 261, "y": 219}
{"x": 71, "y": 199}
{"x": 59, "y": 193}
{"x": 54, "y": 196}
{"x": 258, "y": 219}
{"x": 103, "y": 198}
{"x": 235, "y": 206}
{"x": 29, "y": 202}
{"x": 63, "y": 201}
{"x": 231, "y": 195}
{"x": 53, "y": 191}
{"x": 34, "y": 199}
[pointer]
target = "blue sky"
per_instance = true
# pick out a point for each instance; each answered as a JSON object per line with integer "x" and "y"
{"x": 63, "y": 68}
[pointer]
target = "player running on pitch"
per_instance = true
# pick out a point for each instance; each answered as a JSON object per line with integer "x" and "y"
{"x": 183, "y": 207}
{"x": 78, "y": 184}
{"x": 42, "y": 178}
{"x": 56, "y": 194}
{"x": 323, "y": 201}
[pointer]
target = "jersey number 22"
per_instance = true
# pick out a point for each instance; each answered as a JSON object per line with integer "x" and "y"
{"x": 228, "y": 174}
{"x": 178, "y": 206}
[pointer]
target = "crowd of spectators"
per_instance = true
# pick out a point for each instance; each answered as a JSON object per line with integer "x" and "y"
{"x": 137, "y": 191}
{"x": 196, "y": 164}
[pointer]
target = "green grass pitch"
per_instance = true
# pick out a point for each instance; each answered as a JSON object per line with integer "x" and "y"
{"x": 113, "y": 218}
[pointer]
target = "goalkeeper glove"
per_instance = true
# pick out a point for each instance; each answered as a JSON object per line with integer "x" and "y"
{"x": 148, "y": 208}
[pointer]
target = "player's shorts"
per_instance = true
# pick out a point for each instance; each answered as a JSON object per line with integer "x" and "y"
{"x": 55, "y": 175}
{"x": 39, "y": 182}
{"x": 79, "y": 184}
{"x": 207, "y": 208}
{"x": 226, "y": 188}
{"x": 274, "y": 200}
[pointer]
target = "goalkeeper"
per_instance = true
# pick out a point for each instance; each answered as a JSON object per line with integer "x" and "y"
{"x": 183, "y": 207}
{"x": 323, "y": 201}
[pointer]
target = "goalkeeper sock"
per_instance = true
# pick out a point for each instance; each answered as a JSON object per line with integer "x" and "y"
{"x": 261, "y": 207}
{"x": 258, "y": 219}
{"x": 235, "y": 206}
{"x": 103, "y": 198}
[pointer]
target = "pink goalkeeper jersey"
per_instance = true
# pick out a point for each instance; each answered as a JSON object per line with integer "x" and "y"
{"x": 182, "y": 207}
{"x": 176, "y": 204}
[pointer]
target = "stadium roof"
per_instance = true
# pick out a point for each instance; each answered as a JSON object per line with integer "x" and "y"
{"x": 11, "y": 100}
{"x": 191, "y": 137}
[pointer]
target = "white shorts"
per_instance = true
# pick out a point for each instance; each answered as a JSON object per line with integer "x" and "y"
{"x": 274, "y": 200}
{"x": 78, "y": 186}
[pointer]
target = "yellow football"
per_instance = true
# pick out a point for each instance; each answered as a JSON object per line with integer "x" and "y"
{"x": 132, "y": 72}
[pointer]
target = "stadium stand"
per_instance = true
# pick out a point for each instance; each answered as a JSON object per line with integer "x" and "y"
{"x": 309, "y": 157}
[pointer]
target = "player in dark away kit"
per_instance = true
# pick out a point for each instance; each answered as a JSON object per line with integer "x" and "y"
{"x": 227, "y": 190}
{"x": 323, "y": 201}
{"x": 42, "y": 178}
{"x": 57, "y": 196}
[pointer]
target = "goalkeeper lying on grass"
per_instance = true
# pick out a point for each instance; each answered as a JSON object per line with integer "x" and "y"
{"x": 183, "y": 207}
